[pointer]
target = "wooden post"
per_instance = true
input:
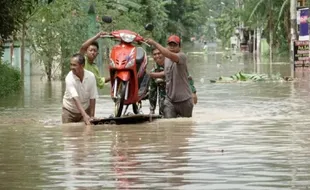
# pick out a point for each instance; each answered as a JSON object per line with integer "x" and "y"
{"x": 293, "y": 13}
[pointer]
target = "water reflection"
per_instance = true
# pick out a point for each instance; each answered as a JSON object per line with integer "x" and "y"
{"x": 150, "y": 157}
{"x": 124, "y": 157}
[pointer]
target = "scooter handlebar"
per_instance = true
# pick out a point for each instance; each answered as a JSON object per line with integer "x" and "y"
{"x": 107, "y": 36}
{"x": 146, "y": 43}
{"x": 139, "y": 39}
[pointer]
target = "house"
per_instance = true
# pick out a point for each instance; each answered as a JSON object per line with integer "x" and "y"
{"x": 12, "y": 55}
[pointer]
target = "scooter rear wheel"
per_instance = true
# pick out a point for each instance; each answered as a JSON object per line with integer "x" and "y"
{"x": 120, "y": 98}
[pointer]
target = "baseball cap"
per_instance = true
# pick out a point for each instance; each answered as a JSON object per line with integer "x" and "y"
{"x": 174, "y": 38}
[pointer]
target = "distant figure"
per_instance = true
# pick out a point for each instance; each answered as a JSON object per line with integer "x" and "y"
{"x": 233, "y": 43}
{"x": 205, "y": 46}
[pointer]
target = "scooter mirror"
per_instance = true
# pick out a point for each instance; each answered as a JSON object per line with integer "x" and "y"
{"x": 149, "y": 27}
{"x": 106, "y": 19}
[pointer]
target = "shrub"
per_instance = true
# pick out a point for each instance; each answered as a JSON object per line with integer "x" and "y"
{"x": 10, "y": 79}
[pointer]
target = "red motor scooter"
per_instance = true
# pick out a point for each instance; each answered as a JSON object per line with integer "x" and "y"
{"x": 129, "y": 81}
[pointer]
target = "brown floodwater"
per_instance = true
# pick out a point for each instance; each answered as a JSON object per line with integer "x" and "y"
{"x": 249, "y": 135}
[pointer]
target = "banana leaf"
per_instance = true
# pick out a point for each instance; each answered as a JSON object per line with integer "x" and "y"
{"x": 240, "y": 76}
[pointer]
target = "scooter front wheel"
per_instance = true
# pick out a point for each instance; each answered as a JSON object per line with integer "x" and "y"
{"x": 120, "y": 98}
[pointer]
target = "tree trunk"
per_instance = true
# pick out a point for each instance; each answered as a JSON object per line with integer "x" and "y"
{"x": 22, "y": 50}
{"x": 293, "y": 34}
{"x": 253, "y": 46}
{"x": 270, "y": 31}
{"x": 48, "y": 69}
{"x": 63, "y": 64}
{"x": 287, "y": 25}
{"x": 65, "y": 60}
{"x": 49, "y": 76}
{"x": 258, "y": 43}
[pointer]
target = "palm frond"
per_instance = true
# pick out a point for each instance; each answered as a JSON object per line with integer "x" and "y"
{"x": 281, "y": 12}
{"x": 255, "y": 8}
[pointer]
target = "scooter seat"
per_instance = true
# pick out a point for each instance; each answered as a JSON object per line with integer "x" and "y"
{"x": 140, "y": 56}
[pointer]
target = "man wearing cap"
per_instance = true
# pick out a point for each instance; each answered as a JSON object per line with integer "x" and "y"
{"x": 178, "y": 101}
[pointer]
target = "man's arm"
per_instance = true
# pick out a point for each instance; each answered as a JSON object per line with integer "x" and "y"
{"x": 86, "y": 44}
{"x": 82, "y": 111}
{"x": 172, "y": 56}
{"x": 157, "y": 74}
{"x": 92, "y": 105}
{"x": 108, "y": 79}
{"x": 93, "y": 96}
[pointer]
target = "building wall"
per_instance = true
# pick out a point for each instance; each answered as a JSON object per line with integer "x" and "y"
{"x": 32, "y": 67}
{"x": 14, "y": 57}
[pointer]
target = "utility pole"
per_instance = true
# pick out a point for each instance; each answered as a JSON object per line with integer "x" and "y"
{"x": 293, "y": 13}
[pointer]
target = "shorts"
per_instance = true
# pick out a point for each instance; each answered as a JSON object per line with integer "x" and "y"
{"x": 178, "y": 109}
{"x": 71, "y": 117}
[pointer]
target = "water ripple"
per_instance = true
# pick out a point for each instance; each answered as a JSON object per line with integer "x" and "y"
{"x": 241, "y": 136}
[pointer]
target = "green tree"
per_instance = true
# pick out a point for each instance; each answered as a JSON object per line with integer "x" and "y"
{"x": 56, "y": 31}
{"x": 270, "y": 15}
{"x": 58, "y": 28}
{"x": 13, "y": 14}
{"x": 155, "y": 12}
{"x": 186, "y": 17}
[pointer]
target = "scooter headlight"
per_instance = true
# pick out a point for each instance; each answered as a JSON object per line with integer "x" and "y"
{"x": 130, "y": 63}
{"x": 127, "y": 37}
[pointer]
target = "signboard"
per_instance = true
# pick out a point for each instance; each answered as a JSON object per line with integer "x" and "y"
{"x": 301, "y": 54}
{"x": 302, "y": 16}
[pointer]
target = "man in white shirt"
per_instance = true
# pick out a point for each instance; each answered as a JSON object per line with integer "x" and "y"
{"x": 79, "y": 100}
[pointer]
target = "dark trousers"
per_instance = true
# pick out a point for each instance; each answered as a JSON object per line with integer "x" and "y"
{"x": 70, "y": 117}
{"x": 178, "y": 109}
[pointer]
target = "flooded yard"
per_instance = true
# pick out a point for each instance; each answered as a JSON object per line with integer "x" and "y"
{"x": 247, "y": 135}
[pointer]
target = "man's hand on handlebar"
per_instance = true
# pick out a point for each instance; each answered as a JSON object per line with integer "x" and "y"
{"x": 149, "y": 41}
{"x": 102, "y": 34}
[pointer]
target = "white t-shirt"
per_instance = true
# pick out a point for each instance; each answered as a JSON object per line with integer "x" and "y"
{"x": 233, "y": 40}
{"x": 85, "y": 90}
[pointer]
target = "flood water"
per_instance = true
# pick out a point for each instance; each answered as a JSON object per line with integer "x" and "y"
{"x": 242, "y": 136}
